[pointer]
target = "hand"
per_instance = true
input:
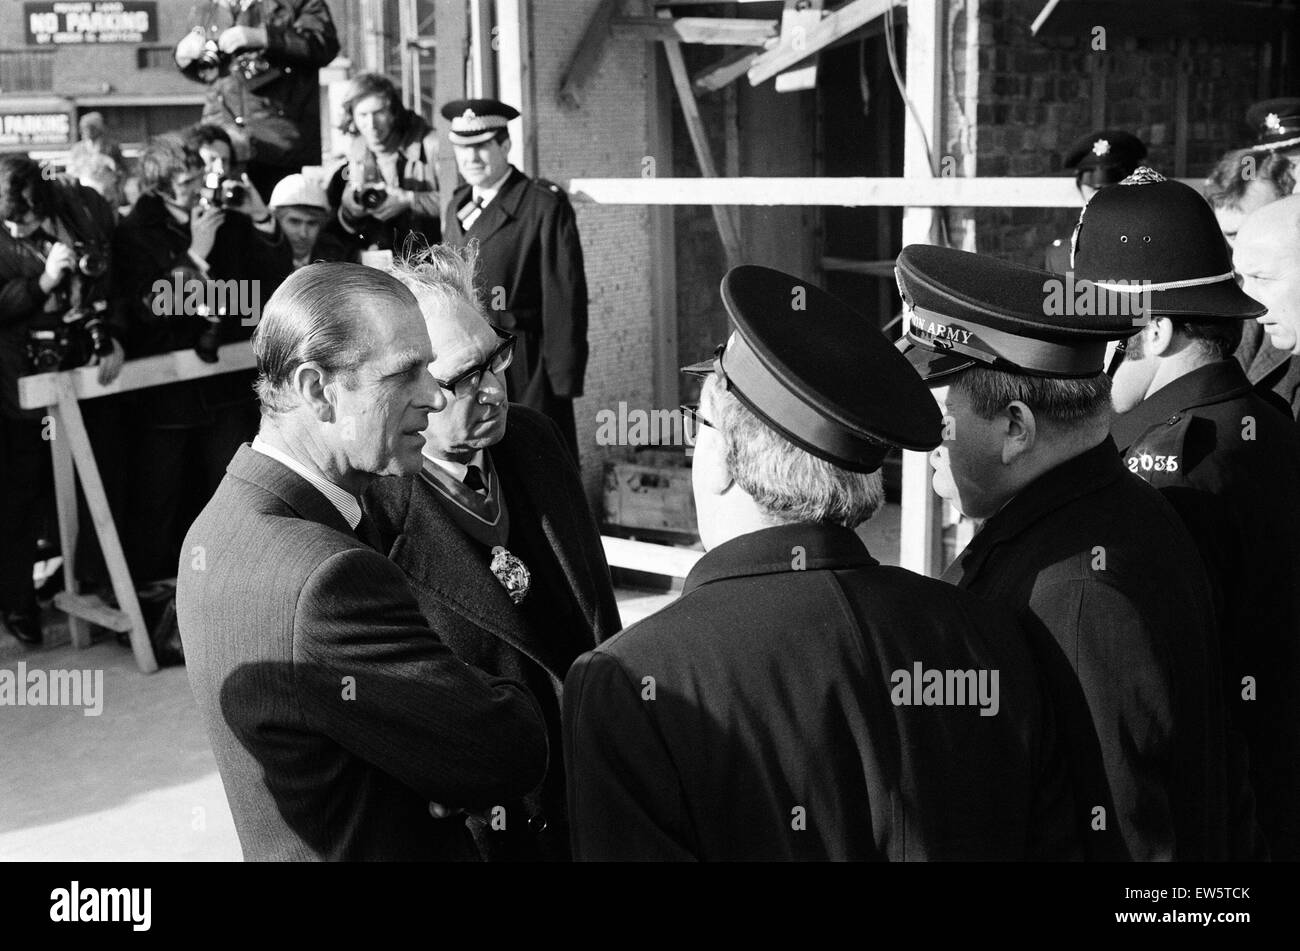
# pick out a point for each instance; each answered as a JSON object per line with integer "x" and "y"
{"x": 204, "y": 222}
{"x": 395, "y": 202}
{"x": 350, "y": 204}
{"x": 190, "y": 48}
{"x": 61, "y": 260}
{"x": 240, "y": 38}
{"x": 111, "y": 365}
{"x": 253, "y": 205}
{"x": 439, "y": 811}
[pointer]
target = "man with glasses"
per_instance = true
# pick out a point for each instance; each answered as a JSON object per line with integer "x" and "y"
{"x": 1228, "y": 460}
{"x": 495, "y": 536}
{"x": 791, "y": 705}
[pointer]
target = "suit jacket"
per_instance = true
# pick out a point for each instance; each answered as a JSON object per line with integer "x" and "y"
{"x": 758, "y": 717}
{"x": 335, "y": 713}
{"x": 1229, "y": 462}
{"x": 151, "y": 246}
{"x": 1098, "y": 559}
{"x": 553, "y": 531}
{"x": 79, "y": 214}
{"x": 531, "y": 280}
{"x": 1270, "y": 370}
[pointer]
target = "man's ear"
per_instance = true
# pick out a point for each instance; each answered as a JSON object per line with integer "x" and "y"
{"x": 711, "y": 473}
{"x": 312, "y": 389}
{"x": 1019, "y": 430}
{"x": 1159, "y": 335}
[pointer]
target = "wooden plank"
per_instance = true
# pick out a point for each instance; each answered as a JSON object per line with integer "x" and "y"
{"x": 838, "y": 24}
{"x": 709, "y": 31}
{"x": 42, "y": 389}
{"x": 481, "y": 68}
{"x": 74, "y": 430}
{"x": 663, "y": 248}
{"x": 726, "y": 70}
{"x": 92, "y": 608}
{"x": 514, "y": 66}
{"x": 65, "y": 501}
{"x": 589, "y": 53}
{"x": 648, "y": 557}
{"x": 449, "y": 66}
{"x": 703, "y": 154}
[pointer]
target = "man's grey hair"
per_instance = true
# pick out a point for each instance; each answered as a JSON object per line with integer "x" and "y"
{"x": 1064, "y": 402}
{"x": 788, "y": 484}
{"x": 314, "y": 317}
{"x": 440, "y": 276}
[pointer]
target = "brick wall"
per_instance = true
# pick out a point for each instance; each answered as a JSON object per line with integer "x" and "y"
{"x": 606, "y": 137}
{"x": 1035, "y": 98}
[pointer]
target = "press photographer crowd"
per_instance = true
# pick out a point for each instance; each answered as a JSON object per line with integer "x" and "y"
{"x": 391, "y": 595}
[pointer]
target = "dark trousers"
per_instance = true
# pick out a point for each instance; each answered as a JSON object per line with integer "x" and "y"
{"x": 176, "y": 470}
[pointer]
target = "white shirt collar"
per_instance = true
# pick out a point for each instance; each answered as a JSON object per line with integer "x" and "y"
{"x": 341, "y": 499}
{"x": 458, "y": 470}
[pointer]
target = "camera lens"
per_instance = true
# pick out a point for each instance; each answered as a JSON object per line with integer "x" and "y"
{"x": 371, "y": 197}
{"x": 91, "y": 264}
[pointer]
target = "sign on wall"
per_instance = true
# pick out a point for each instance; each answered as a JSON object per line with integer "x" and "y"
{"x": 77, "y": 22}
{"x": 35, "y": 128}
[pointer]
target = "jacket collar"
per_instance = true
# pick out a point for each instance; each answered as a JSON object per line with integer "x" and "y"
{"x": 286, "y": 485}
{"x": 503, "y": 208}
{"x": 806, "y": 546}
{"x": 1088, "y": 472}
{"x": 1213, "y": 383}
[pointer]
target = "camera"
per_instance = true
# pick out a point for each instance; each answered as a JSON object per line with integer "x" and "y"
{"x": 371, "y": 197}
{"x": 223, "y": 193}
{"x": 91, "y": 260}
{"x": 212, "y": 57}
{"x": 208, "y": 342}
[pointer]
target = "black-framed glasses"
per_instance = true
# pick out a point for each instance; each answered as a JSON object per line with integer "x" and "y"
{"x": 692, "y": 419}
{"x": 1117, "y": 358}
{"x": 467, "y": 383}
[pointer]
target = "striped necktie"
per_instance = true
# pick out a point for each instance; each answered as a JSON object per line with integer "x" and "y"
{"x": 469, "y": 213}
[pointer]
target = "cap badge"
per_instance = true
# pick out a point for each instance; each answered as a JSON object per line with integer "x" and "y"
{"x": 1101, "y": 147}
{"x": 1142, "y": 175}
{"x": 1272, "y": 122}
{"x": 468, "y": 114}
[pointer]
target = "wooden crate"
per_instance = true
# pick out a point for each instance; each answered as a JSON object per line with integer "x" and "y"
{"x": 649, "y": 497}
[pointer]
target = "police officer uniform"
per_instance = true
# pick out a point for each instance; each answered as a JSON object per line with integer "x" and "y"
{"x": 1095, "y": 557}
{"x": 771, "y": 713}
{"x": 1228, "y": 461}
{"x": 530, "y": 273}
{"x": 1099, "y": 159}
{"x": 1276, "y": 123}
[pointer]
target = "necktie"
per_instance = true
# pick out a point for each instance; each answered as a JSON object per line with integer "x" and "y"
{"x": 367, "y": 532}
{"x": 474, "y": 480}
{"x": 469, "y": 213}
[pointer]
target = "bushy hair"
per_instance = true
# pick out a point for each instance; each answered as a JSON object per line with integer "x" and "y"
{"x": 1227, "y": 182}
{"x": 164, "y": 156}
{"x": 1064, "y": 402}
{"x": 788, "y": 484}
{"x": 440, "y": 276}
{"x": 206, "y": 133}
{"x": 311, "y": 318}
{"x": 21, "y": 179}
{"x": 365, "y": 85}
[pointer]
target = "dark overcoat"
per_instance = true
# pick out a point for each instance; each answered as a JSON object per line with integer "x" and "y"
{"x": 571, "y": 607}
{"x": 1229, "y": 462}
{"x": 761, "y": 717}
{"x": 1098, "y": 559}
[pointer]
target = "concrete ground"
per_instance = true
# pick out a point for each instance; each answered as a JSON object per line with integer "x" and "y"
{"x": 139, "y": 782}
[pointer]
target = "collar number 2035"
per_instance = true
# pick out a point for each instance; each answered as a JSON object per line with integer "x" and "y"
{"x": 1146, "y": 462}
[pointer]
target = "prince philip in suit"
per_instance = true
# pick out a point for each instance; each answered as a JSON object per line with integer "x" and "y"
{"x": 495, "y": 537}
{"x": 336, "y": 714}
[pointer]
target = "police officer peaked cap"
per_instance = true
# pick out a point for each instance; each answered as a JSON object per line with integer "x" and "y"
{"x": 1103, "y": 158}
{"x": 965, "y": 310}
{"x": 1276, "y": 123}
{"x": 819, "y": 373}
{"x": 1162, "y": 236}
{"x": 477, "y": 120}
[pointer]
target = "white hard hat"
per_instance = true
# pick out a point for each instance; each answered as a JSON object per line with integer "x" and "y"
{"x": 298, "y": 189}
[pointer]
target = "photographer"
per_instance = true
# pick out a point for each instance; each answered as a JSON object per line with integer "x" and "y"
{"x": 260, "y": 61}
{"x": 389, "y": 187}
{"x": 198, "y": 258}
{"x": 59, "y": 309}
